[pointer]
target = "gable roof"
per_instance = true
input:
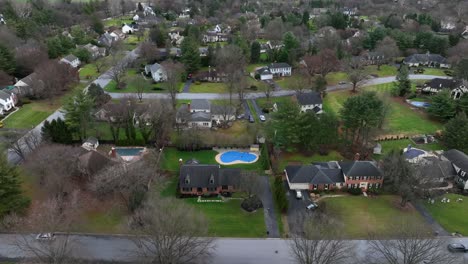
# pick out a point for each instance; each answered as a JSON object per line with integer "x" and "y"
{"x": 153, "y": 67}
{"x": 425, "y": 58}
{"x": 440, "y": 83}
{"x": 263, "y": 71}
{"x": 310, "y": 98}
{"x": 199, "y": 176}
{"x": 458, "y": 158}
{"x": 30, "y": 79}
{"x": 222, "y": 109}
{"x": 279, "y": 65}
{"x": 70, "y": 58}
{"x": 4, "y": 95}
{"x": 360, "y": 168}
{"x": 200, "y": 104}
{"x": 313, "y": 174}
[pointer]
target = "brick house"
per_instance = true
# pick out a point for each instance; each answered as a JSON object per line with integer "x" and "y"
{"x": 334, "y": 175}
{"x": 202, "y": 179}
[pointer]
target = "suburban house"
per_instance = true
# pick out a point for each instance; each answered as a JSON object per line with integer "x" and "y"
{"x": 174, "y": 35}
{"x": 156, "y": 71}
{"x": 7, "y": 101}
{"x": 311, "y": 101}
{"x": 264, "y": 74}
{"x": 201, "y": 113}
{"x": 203, "y": 51}
{"x": 212, "y": 36}
{"x": 107, "y": 39}
{"x": 185, "y": 13}
{"x": 136, "y": 18}
{"x": 459, "y": 162}
{"x": 373, "y": 58}
{"x": 464, "y": 34}
{"x": 129, "y": 29}
{"x": 209, "y": 76}
{"x": 95, "y": 51}
{"x": 280, "y": 69}
{"x": 350, "y": 11}
{"x": 456, "y": 87}
{"x": 201, "y": 179}
{"x": 334, "y": 175}
{"x": 173, "y": 52}
{"x": 71, "y": 60}
{"x": 26, "y": 85}
{"x": 416, "y": 156}
{"x": 90, "y": 144}
{"x": 428, "y": 60}
{"x": 90, "y": 161}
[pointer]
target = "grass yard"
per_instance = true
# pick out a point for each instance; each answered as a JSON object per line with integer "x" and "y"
{"x": 117, "y": 22}
{"x": 336, "y": 77}
{"x": 88, "y": 72}
{"x": 401, "y": 119}
{"x": 400, "y": 144}
{"x": 431, "y": 71}
{"x": 452, "y": 216}
{"x": 101, "y": 130}
{"x": 155, "y": 88}
{"x": 385, "y": 70}
{"x": 252, "y": 67}
{"x": 30, "y": 115}
{"x": 207, "y": 87}
{"x": 131, "y": 42}
{"x": 288, "y": 82}
{"x": 361, "y": 215}
{"x": 298, "y": 157}
{"x": 264, "y": 103}
{"x": 107, "y": 221}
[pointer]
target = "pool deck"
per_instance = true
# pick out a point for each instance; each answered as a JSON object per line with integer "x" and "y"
{"x": 218, "y": 157}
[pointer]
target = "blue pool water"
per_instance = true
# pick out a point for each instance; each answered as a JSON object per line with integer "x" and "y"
{"x": 129, "y": 151}
{"x": 231, "y": 156}
{"x": 419, "y": 104}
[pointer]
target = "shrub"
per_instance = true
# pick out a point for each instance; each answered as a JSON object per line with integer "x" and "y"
{"x": 411, "y": 95}
{"x": 355, "y": 191}
{"x": 253, "y": 87}
{"x": 280, "y": 195}
{"x": 257, "y": 76}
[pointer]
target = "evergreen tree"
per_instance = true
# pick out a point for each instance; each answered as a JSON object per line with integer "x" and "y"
{"x": 190, "y": 55}
{"x": 305, "y": 17}
{"x": 442, "y": 106}
{"x": 97, "y": 25}
{"x": 7, "y": 60}
{"x": 255, "y": 52}
{"x": 461, "y": 70}
{"x": 83, "y": 54}
{"x": 158, "y": 35}
{"x": 78, "y": 114}
{"x": 456, "y": 133}
{"x": 11, "y": 196}
{"x": 462, "y": 104}
{"x": 57, "y": 131}
{"x": 320, "y": 84}
{"x": 283, "y": 127}
{"x": 403, "y": 84}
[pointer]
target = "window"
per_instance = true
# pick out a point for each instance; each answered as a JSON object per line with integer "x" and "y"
{"x": 364, "y": 178}
{"x": 225, "y": 187}
{"x": 379, "y": 177}
{"x": 326, "y": 186}
{"x": 358, "y": 178}
{"x": 315, "y": 187}
{"x": 377, "y": 185}
{"x": 199, "y": 189}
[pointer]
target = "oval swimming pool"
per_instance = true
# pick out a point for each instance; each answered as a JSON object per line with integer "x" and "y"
{"x": 233, "y": 156}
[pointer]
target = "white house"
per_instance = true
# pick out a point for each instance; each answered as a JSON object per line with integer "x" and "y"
{"x": 71, "y": 60}
{"x": 156, "y": 71}
{"x": 7, "y": 101}
{"x": 91, "y": 144}
{"x": 2, "y": 20}
{"x": 94, "y": 50}
{"x": 429, "y": 60}
{"x": 136, "y": 17}
{"x": 264, "y": 73}
{"x": 185, "y": 13}
{"x": 311, "y": 101}
{"x": 126, "y": 29}
{"x": 280, "y": 69}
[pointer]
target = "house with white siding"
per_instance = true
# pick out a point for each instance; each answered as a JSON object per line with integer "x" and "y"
{"x": 280, "y": 69}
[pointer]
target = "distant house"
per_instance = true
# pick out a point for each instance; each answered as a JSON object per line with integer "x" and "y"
{"x": 350, "y": 11}
{"x": 156, "y": 71}
{"x": 185, "y": 13}
{"x": 373, "y": 58}
{"x": 91, "y": 162}
{"x": 107, "y": 39}
{"x": 173, "y": 52}
{"x": 280, "y": 69}
{"x": 126, "y": 29}
{"x": 7, "y": 101}
{"x": 203, "y": 51}
{"x": 212, "y": 36}
{"x": 136, "y": 17}
{"x": 26, "y": 85}
{"x": 459, "y": 162}
{"x": 427, "y": 60}
{"x": 464, "y": 34}
{"x": 311, "y": 101}
{"x": 264, "y": 73}
{"x": 202, "y": 114}
{"x": 209, "y": 76}
{"x": 201, "y": 179}
{"x": 334, "y": 175}
{"x": 71, "y": 60}
{"x": 456, "y": 87}
{"x": 91, "y": 144}
{"x": 95, "y": 51}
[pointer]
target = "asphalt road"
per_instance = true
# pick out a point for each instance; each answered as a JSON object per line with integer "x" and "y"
{"x": 227, "y": 250}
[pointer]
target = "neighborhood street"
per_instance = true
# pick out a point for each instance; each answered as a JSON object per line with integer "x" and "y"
{"x": 227, "y": 250}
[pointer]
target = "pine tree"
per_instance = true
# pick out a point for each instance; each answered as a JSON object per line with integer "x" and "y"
{"x": 442, "y": 106}
{"x": 11, "y": 196}
{"x": 78, "y": 113}
{"x": 7, "y": 61}
{"x": 57, "y": 131}
{"x": 403, "y": 85}
{"x": 456, "y": 133}
{"x": 190, "y": 55}
{"x": 255, "y": 52}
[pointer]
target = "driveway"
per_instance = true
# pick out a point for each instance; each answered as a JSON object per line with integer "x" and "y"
{"x": 274, "y": 84}
{"x": 187, "y": 86}
{"x": 246, "y": 109}
{"x": 269, "y": 209}
{"x": 436, "y": 227}
{"x": 257, "y": 108}
{"x": 296, "y": 208}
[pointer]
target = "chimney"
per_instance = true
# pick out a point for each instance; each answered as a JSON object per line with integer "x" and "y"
{"x": 113, "y": 153}
{"x": 357, "y": 156}
{"x": 189, "y": 108}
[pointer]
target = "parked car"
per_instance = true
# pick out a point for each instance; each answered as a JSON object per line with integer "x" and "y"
{"x": 241, "y": 116}
{"x": 456, "y": 247}
{"x": 262, "y": 118}
{"x": 251, "y": 119}
{"x": 45, "y": 236}
{"x": 298, "y": 194}
{"x": 312, "y": 206}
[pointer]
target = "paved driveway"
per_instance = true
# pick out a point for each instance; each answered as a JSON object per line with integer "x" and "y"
{"x": 269, "y": 209}
{"x": 296, "y": 209}
{"x": 187, "y": 86}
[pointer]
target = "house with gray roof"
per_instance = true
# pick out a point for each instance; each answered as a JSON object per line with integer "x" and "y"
{"x": 427, "y": 60}
{"x": 71, "y": 60}
{"x": 456, "y": 87}
{"x": 156, "y": 71}
{"x": 459, "y": 162}
{"x": 311, "y": 101}
{"x": 334, "y": 175}
{"x": 280, "y": 69}
{"x": 264, "y": 74}
{"x": 202, "y": 114}
{"x": 202, "y": 179}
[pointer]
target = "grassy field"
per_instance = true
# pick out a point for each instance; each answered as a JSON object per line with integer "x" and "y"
{"x": 30, "y": 115}
{"x": 155, "y": 87}
{"x": 361, "y": 215}
{"x": 117, "y": 22}
{"x": 252, "y": 67}
{"x": 385, "y": 70}
{"x": 401, "y": 119}
{"x": 264, "y": 103}
{"x": 431, "y": 71}
{"x": 452, "y": 216}
{"x": 206, "y": 87}
{"x": 88, "y": 72}
{"x": 336, "y": 77}
{"x": 297, "y": 157}
{"x": 400, "y": 144}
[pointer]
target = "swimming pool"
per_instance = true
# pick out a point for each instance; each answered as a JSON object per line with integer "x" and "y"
{"x": 129, "y": 151}
{"x": 419, "y": 104}
{"x": 229, "y": 157}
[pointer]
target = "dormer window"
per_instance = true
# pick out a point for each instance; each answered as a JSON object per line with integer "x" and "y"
{"x": 187, "y": 179}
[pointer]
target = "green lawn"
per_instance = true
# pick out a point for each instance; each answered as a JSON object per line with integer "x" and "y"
{"x": 452, "y": 216}
{"x": 117, "y": 22}
{"x": 431, "y": 71}
{"x": 361, "y": 215}
{"x": 264, "y": 103}
{"x": 88, "y": 72}
{"x": 336, "y": 77}
{"x": 155, "y": 88}
{"x": 29, "y": 115}
{"x": 401, "y": 119}
{"x": 288, "y": 82}
{"x": 131, "y": 42}
{"x": 207, "y": 87}
{"x": 252, "y": 67}
{"x": 107, "y": 221}
{"x": 400, "y": 144}
{"x": 298, "y": 157}
{"x": 385, "y": 70}
{"x": 101, "y": 130}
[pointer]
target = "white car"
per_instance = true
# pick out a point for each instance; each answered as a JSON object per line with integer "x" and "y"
{"x": 262, "y": 118}
{"x": 298, "y": 195}
{"x": 45, "y": 236}
{"x": 312, "y": 206}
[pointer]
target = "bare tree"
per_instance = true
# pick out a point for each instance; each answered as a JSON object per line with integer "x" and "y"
{"x": 230, "y": 62}
{"x": 29, "y": 55}
{"x": 410, "y": 244}
{"x": 118, "y": 73}
{"x": 320, "y": 241}
{"x": 129, "y": 182}
{"x": 299, "y": 84}
{"x": 23, "y": 145}
{"x": 148, "y": 51}
{"x": 275, "y": 30}
{"x": 56, "y": 78}
{"x": 177, "y": 236}
{"x": 457, "y": 53}
{"x": 267, "y": 89}
{"x": 389, "y": 49}
{"x": 251, "y": 183}
{"x": 100, "y": 64}
{"x": 141, "y": 85}
{"x": 357, "y": 75}
{"x": 162, "y": 120}
{"x": 173, "y": 71}
{"x": 5, "y": 78}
